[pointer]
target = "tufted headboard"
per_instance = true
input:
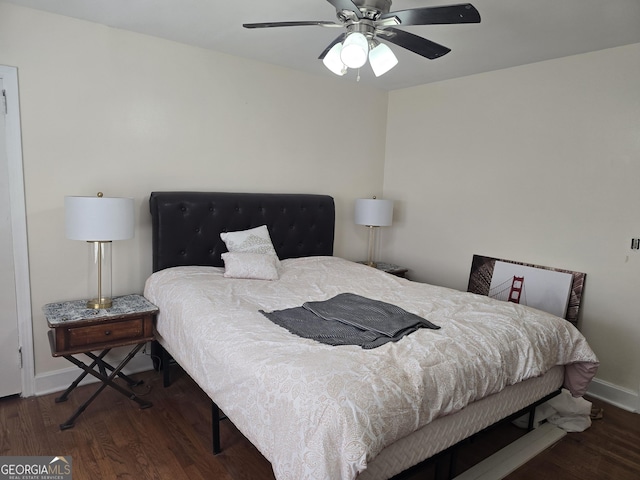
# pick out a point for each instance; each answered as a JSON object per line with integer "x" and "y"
{"x": 186, "y": 226}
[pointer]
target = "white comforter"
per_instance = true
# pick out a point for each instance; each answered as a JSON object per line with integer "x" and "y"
{"x": 322, "y": 412}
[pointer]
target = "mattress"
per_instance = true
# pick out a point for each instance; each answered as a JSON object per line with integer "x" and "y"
{"x": 316, "y": 411}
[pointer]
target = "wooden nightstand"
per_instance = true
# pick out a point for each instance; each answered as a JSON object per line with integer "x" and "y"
{"x": 76, "y": 329}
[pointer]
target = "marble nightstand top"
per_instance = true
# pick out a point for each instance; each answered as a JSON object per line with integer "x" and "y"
{"x": 76, "y": 310}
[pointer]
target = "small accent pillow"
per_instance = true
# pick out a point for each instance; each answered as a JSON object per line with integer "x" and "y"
{"x": 254, "y": 240}
{"x": 258, "y": 266}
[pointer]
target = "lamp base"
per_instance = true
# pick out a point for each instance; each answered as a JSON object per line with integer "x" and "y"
{"x": 100, "y": 270}
{"x": 98, "y": 303}
{"x": 372, "y": 241}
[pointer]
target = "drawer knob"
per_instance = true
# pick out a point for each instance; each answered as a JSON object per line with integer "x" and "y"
{"x": 107, "y": 333}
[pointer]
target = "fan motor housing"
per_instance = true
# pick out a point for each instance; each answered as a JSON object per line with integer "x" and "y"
{"x": 372, "y": 9}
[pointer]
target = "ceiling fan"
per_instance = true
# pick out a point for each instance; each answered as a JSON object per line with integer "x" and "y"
{"x": 366, "y": 21}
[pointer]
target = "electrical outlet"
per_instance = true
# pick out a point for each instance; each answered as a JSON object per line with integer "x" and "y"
{"x": 635, "y": 244}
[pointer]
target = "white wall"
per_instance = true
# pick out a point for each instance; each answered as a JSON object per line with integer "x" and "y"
{"x": 122, "y": 113}
{"x": 538, "y": 163}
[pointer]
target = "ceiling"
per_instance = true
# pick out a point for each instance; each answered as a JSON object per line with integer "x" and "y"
{"x": 512, "y": 32}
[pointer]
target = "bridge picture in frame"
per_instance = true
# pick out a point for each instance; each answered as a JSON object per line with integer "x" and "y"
{"x": 553, "y": 290}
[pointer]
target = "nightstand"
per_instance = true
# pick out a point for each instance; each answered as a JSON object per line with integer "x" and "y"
{"x": 76, "y": 329}
{"x": 391, "y": 268}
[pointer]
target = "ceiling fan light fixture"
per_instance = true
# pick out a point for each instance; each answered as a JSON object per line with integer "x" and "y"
{"x": 366, "y": 19}
{"x": 355, "y": 50}
{"x": 333, "y": 62}
{"x": 382, "y": 59}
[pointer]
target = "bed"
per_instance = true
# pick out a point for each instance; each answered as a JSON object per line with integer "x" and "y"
{"x": 341, "y": 412}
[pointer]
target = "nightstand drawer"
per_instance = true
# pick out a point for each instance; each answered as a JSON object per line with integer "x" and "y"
{"x": 104, "y": 333}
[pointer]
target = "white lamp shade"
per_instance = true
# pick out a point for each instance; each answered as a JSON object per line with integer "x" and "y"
{"x": 382, "y": 59}
{"x": 374, "y": 212}
{"x": 99, "y": 219}
{"x": 333, "y": 62}
{"x": 355, "y": 50}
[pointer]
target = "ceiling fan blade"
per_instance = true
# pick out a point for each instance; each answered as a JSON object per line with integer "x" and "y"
{"x": 416, "y": 44}
{"x": 346, "y": 5}
{"x": 449, "y": 14}
{"x": 291, "y": 24}
{"x": 338, "y": 39}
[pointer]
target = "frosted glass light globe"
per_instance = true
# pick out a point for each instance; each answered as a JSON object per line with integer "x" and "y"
{"x": 355, "y": 50}
{"x": 382, "y": 59}
{"x": 333, "y": 62}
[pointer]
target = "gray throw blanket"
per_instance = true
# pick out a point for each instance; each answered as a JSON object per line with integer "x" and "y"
{"x": 349, "y": 319}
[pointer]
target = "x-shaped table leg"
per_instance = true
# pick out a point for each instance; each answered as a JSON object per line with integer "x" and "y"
{"x": 106, "y": 381}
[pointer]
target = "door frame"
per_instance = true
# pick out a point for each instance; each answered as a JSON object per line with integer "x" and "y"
{"x": 9, "y": 77}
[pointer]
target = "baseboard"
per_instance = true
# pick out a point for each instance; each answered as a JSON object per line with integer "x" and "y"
{"x": 615, "y": 395}
{"x": 59, "y": 380}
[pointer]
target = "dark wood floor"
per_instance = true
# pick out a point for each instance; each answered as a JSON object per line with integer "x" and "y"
{"x": 114, "y": 439}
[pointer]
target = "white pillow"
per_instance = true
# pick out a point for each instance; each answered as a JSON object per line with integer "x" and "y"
{"x": 258, "y": 266}
{"x": 254, "y": 240}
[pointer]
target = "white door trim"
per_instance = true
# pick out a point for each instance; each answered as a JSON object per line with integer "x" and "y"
{"x": 9, "y": 77}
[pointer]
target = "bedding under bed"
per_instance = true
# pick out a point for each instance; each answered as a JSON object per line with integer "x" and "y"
{"x": 320, "y": 411}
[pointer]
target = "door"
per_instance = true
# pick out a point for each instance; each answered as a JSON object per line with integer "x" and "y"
{"x": 10, "y": 374}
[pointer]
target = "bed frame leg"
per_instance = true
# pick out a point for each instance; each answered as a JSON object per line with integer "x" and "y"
{"x": 444, "y": 464}
{"x": 215, "y": 427}
{"x": 532, "y": 418}
{"x": 453, "y": 457}
{"x": 156, "y": 355}
{"x": 438, "y": 469}
{"x": 166, "y": 368}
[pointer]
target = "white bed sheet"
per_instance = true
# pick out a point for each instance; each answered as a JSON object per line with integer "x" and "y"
{"x": 319, "y": 412}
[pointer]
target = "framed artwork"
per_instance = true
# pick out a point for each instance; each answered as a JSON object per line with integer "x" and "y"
{"x": 552, "y": 290}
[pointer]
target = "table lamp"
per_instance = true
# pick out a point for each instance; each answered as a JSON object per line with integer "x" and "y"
{"x": 373, "y": 213}
{"x": 99, "y": 221}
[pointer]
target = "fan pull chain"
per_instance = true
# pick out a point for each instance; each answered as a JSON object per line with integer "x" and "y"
{"x": 358, "y": 76}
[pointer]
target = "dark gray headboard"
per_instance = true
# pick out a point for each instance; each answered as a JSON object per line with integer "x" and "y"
{"x": 186, "y": 226}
